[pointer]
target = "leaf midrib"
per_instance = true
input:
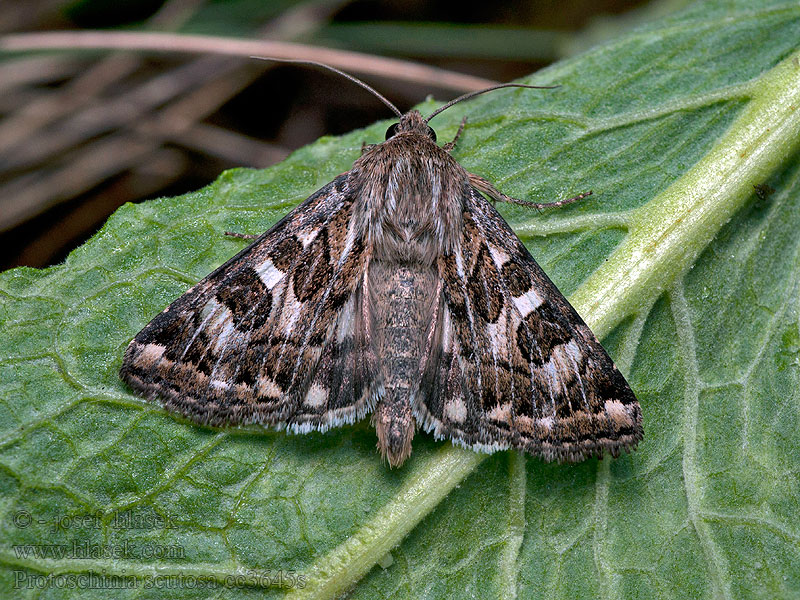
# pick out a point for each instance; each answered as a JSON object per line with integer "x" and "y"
{"x": 777, "y": 87}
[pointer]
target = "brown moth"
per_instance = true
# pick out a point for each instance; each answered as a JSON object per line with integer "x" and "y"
{"x": 397, "y": 290}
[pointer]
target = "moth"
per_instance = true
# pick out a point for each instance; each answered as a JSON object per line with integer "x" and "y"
{"x": 398, "y": 290}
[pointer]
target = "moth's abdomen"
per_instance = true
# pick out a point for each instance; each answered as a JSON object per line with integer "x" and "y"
{"x": 401, "y": 306}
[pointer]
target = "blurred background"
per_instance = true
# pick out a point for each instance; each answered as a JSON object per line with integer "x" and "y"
{"x": 84, "y": 131}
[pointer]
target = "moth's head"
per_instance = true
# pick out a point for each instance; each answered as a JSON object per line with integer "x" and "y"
{"x": 411, "y": 122}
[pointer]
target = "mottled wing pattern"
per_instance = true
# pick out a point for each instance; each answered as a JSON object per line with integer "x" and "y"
{"x": 273, "y": 336}
{"x": 516, "y": 366}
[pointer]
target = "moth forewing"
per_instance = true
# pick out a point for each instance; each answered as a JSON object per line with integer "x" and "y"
{"x": 396, "y": 289}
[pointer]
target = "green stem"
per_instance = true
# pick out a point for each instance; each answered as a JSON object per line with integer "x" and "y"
{"x": 666, "y": 235}
{"x": 340, "y": 569}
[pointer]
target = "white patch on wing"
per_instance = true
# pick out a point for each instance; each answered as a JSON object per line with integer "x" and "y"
{"x": 208, "y": 310}
{"x": 618, "y": 413}
{"x": 553, "y": 371}
{"x": 573, "y": 351}
{"x": 455, "y": 410}
{"x": 269, "y": 273}
{"x": 151, "y": 352}
{"x": 348, "y": 244}
{"x": 317, "y": 396}
{"x": 557, "y": 367}
{"x": 498, "y": 335}
{"x": 499, "y": 256}
{"x": 447, "y": 329}
{"x": 459, "y": 262}
{"x": 290, "y": 313}
{"x": 495, "y": 334}
{"x": 306, "y": 237}
{"x": 346, "y": 325}
{"x": 545, "y": 423}
{"x": 268, "y": 387}
{"x": 501, "y": 413}
{"x": 220, "y": 385}
{"x": 222, "y": 340}
{"x": 528, "y": 302}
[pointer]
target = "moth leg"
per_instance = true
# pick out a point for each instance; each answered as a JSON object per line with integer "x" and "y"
{"x": 450, "y": 145}
{"x": 486, "y": 187}
{"x": 244, "y": 236}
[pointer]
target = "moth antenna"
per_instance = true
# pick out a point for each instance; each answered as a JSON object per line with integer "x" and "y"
{"x": 367, "y": 87}
{"x": 489, "y": 89}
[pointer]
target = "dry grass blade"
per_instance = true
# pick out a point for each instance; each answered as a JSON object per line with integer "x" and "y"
{"x": 79, "y": 92}
{"x": 202, "y": 44}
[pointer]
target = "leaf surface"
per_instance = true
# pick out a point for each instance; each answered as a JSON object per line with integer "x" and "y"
{"x": 690, "y": 277}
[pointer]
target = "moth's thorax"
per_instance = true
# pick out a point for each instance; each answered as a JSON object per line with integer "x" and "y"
{"x": 411, "y": 195}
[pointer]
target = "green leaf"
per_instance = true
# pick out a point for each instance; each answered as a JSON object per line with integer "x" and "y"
{"x": 689, "y": 276}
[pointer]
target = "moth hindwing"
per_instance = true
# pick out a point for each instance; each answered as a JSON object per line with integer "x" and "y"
{"x": 397, "y": 290}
